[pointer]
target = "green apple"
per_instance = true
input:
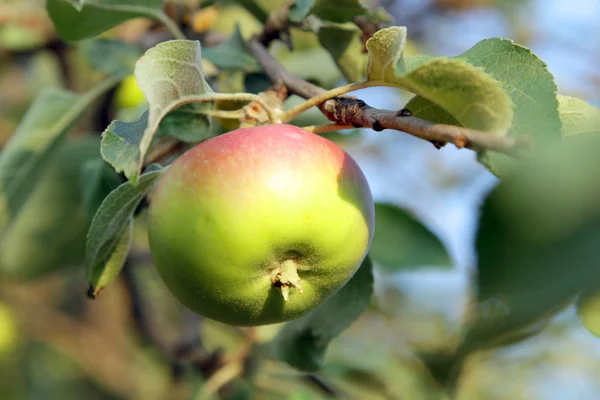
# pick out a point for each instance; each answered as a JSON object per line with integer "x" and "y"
{"x": 128, "y": 93}
{"x": 260, "y": 225}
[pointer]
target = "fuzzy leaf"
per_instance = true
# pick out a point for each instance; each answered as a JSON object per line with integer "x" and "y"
{"x": 578, "y": 117}
{"x": 169, "y": 75}
{"x": 464, "y": 91}
{"x": 528, "y": 83}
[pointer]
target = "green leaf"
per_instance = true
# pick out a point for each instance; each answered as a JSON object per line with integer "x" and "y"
{"x": 111, "y": 222}
{"x": 300, "y": 10}
{"x": 385, "y": 54}
{"x": 170, "y": 76}
{"x": 528, "y": 83}
{"x": 330, "y": 10}
{"x": 232, "y": 54}
{"x": 80, "y": 19}
{"x": 121, "y": 145}
{"x": 465, "y": 91}
{"x": 538, "y": 238}
{"x": 302, "y": 343}
{"x": 578, "y": 117}
{"x": 345, "y": 46}
{"x": 588, "y": 310}
{"x": 102, "y": 277}
{"x": 48, "y": 234}
{"x": 401, "y": 241}
{"x": 98, "y": 180}
{"x": 42, "y": 128}
{"x": 121, "y": 140}
{"x": 110, "y": 56}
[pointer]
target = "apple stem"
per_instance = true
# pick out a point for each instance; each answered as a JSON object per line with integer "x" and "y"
{"x": 285, "y": 277}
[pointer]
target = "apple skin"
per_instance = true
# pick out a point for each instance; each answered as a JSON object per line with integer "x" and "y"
{"x": 233, "y": 211}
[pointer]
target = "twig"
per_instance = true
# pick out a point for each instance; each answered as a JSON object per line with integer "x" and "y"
{"x": 323, "y": 386}
{"x": 326, "y": 128}
{"x": 346, "y": 110}
{"x": 171, "y": 26}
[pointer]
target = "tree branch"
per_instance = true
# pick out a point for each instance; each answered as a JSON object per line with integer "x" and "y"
{"x": 347, "y": 110}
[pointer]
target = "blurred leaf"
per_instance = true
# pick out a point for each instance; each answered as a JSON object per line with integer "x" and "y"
{"x": 110, "y": 56}
{"x": 101, "y": 277}
{"x": 588, "y": 310}
{"x": 527, "y": 82}
{"x": 98, "y": 180}
{"x": 330, "y": 10}
{"x": 468, "y": 93}
{"x": 44, "y": 125}
{"x": 14, "y": 37}
{"x": 80, "y": 19}
{"x": 401, "y": 241}
{"x": 578, "y": 117}
{"x": 111, "y": 222}
{"x": 345, "y": 46}
{"x": 232, "y": 54}
{"x": 170, "y": 76}
{"x": 48, "y": 234}
{"x": 302, "y": 343}
{"x": 538, "y": 238}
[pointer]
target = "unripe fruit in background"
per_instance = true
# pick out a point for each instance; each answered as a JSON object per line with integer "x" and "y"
{"x": 260, "y": 225}
{"x": 129, "y": 94}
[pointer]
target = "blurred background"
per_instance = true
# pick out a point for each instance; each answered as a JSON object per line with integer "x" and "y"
{"x": 56, "y": 344}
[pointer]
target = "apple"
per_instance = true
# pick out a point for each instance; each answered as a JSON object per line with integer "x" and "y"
{"x": 128, "y": 93}
{"x": 260, "y": 225}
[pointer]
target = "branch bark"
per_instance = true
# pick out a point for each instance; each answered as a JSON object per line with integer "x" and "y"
{"x": 348, "y": 110}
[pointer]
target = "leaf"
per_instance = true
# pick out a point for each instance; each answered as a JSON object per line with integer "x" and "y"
{"x": 464, "y": 91}
{"x": 578, "y": 117}
{"x": 401, "y": 241}
{"x": 121, "y": 145}
{"x": 588, "y": 310}
{"x": 110, "y": 56}
{"x": 300, "y": 10}
{"x": 100, "y": 278}
{"x": 232, "y": 54}
{"x": 80, "y": 19}
{"x": 538, "y": 238}
{"x": 170, "y": 76}
{"x": 42, "y": 128}
{"x": 385, "y": 53}
{"x": 121, "y": 140}
{"x": 302, "y": 343}
{"x": 98, "y": 180}
{"x": 345, "y": 46}
{"x": 330, "y": 10}
{"x": 528, "y": 83}
{"x": 112, "y": 221}
{"x": 48, "y": 234}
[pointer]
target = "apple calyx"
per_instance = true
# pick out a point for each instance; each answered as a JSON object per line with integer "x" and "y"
{"x": 285, "y": 277}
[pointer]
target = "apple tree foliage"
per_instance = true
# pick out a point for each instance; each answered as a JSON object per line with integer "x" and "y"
{"x": 539, "y": 231}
